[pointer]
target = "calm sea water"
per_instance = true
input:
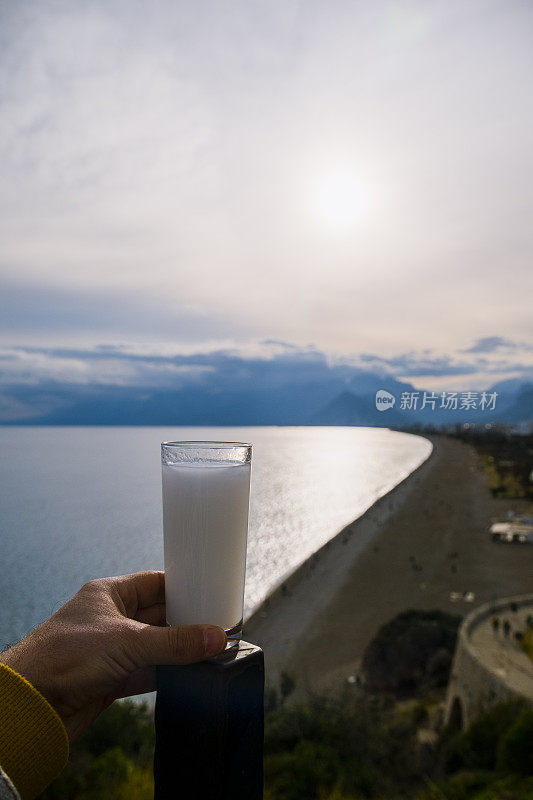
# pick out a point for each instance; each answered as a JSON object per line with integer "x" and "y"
{"x": 81, "y": 503}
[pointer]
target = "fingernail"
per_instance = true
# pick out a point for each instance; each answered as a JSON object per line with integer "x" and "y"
{"x": 214, "y": 640}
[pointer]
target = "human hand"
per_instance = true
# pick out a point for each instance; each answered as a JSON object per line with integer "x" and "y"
{"x": 103, "y": 644}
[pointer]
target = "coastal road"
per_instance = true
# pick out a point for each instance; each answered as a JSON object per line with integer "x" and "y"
{"x": 502, "y": 654}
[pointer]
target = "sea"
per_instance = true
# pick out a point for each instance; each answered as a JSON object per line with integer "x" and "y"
{"x": 78, "y": 503}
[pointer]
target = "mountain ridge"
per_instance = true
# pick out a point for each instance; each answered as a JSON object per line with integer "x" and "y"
{"x": 349, "y": 400}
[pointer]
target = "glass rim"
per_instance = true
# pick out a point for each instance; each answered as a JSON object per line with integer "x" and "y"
{"x": 208, "y": 445}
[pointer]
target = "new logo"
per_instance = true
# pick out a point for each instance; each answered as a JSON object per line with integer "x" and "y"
{"x": 384, "y": 400}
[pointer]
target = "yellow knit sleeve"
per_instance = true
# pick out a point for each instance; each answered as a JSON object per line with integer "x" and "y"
{"x": 33, "y": 740}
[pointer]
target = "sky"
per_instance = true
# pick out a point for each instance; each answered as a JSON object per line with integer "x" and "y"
{"x": 351, "y": 177}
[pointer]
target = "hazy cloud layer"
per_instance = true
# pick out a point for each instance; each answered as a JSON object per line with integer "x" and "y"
{"x": 61, "y": 314}
{"x": 163, "y": 168}
{"x": 268, "y": 365}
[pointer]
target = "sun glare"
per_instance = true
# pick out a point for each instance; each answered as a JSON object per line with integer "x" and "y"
{"x": 341, "y": 200}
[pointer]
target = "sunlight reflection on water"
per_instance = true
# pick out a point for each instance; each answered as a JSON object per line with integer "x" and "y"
{"x": 80, "y": 503}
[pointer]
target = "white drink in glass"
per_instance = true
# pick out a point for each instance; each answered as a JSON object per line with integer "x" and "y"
{"x": 206, "y": 488}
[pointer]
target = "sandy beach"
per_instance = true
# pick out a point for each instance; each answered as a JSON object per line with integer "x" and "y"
{"x": 424, "y": 545}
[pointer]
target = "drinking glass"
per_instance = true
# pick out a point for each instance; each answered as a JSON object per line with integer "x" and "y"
{"x": 206, "y": 491}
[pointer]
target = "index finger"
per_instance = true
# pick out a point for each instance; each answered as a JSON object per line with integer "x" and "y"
{"x": 140, "y": 589}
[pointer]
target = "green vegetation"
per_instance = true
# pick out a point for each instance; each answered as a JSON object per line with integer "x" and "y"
{"x": 507, "y": 459}
{"x": 374, "y": 743}
{"x": 480, "y": 786}
{"x": 344, "y": 745}
{"x": 385, "y": 741}
{"x": 412, "y": 654}
{"x": 515, "y": 747}
{"x": 352, "y": 746}
{"x": 478, "y": 748}
{"x": 345, "y": 742}
{"x": 112, "y": 759}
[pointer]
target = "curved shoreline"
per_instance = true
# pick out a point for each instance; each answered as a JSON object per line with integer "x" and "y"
{"x": 424, "y": 545}
{"x": 309, "y": 587}
{"x": 385, "y": 492}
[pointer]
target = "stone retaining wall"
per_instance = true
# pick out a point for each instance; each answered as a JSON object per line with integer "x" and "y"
{"x": 474, "y": 686}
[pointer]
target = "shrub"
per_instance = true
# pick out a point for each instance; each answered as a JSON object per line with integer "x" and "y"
{"x": 107, "y": 772}
{"x": 304, "y": 771}
{"x": 515, "y": 749}
{"x": 343, "y": 742}
{"x": 271, "y": 698}
{"x": 115, "y": 753}
{"x": 127, "y": 723}
{"x": 411, "y": 654}
{"x": 477, "y": 747}
{"x": 287, "y": 685}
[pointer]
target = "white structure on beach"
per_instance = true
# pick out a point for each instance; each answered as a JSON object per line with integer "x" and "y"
{"x": 489, "y": 665}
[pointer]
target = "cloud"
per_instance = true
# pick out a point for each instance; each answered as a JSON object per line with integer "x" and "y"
{"x": 170, "y": 156}
{"x": 490, "y": 344}
{"x": 118, "y": 365}
{"x": 421, "y": 364}
{"x": 266, "y": 365}
{"x": 429, "y": 369}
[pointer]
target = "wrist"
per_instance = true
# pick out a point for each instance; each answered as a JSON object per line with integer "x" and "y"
{"x": 18, "y": 660}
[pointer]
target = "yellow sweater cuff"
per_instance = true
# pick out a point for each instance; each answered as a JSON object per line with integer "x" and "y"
{"x": 33, "y": 740}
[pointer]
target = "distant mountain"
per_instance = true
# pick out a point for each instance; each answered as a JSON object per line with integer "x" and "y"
{"x": 350, "y": 409}
{"x": 242, "y": 401}
{"x": 194, "y": 405}
{"x": 511, "y": 386}
{"x": 514, "y": 405}
{"x": 521, "y": 408}
{"x": 366, "y": 384}
{"x": 237, "y": 391}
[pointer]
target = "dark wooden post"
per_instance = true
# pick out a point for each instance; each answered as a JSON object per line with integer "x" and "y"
{"x": 209, "y": 722}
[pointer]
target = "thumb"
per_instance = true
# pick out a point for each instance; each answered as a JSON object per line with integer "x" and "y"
{"x": 177, "y": 644}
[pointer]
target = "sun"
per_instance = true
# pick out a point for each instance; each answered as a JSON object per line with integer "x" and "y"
{"x": 341, "y": 200}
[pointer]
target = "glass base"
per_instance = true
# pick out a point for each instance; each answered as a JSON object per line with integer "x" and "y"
{"x": 234, "y": 635}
